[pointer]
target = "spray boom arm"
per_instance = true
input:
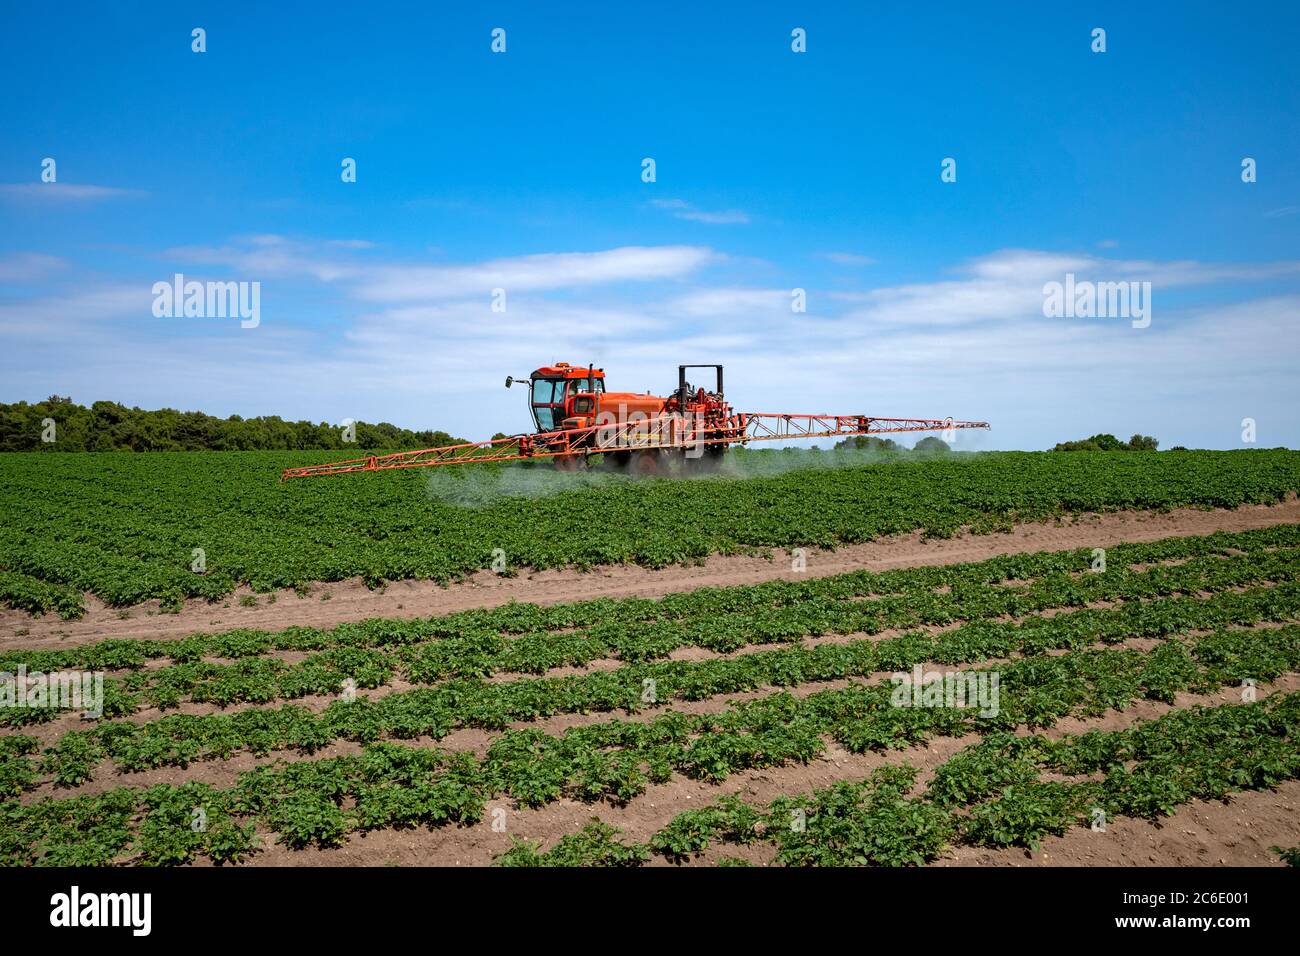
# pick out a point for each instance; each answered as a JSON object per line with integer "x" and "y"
{"x": 668, "y": 432}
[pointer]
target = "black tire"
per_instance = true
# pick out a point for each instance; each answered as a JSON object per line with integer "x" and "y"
{"x": 708, "y": 461}
{"x": 615, "y": 460}
{"x": 646, "y": 463}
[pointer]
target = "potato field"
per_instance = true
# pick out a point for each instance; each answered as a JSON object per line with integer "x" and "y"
{"x": 1032, "y": 701}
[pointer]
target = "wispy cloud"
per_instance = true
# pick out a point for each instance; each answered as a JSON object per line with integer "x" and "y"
{"x": 350, "y": 243}
{"x": 732, "y": 302}
{"x": 681, "y": 209}
{"x": 29, "y": 266}
{"x": 1010, "y": 282}
{"x": 258, "y": 256}
{"x": 54, "y": 318}
{"x": 534, "y": 273}
{"x": 421, "y": 345}
{"x": 848, "y": 259}
{"x": 64, "y": 192}
{"x": 261, "y": 256}
{"x": 1281, "y": 211}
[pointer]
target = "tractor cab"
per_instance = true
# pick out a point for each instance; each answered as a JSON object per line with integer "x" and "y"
{"x": 562, "y": 392}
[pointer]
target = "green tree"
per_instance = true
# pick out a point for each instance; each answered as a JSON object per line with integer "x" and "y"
{"x": 109, "y": 426}
{"x": 1102, "y": 442}
{"x": 869, "y": 443}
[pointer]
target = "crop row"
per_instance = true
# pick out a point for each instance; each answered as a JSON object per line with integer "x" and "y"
{"x": 31, "y": 594}
{"x": 261, "y": 680}
{"x": 436, "y": 711}
{"x": 992, "y": 794}
{"x": 179, "y": 739}
{"x": 1148, "y": 769}
{"x": 132, "y": 527}
{"x": 182, "y": 739}
{"x": 845, "y": 603}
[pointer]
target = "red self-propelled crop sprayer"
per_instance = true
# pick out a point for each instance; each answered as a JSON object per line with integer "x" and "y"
{"x": 577, "y": 420}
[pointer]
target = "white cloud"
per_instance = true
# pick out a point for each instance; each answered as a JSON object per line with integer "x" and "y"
{"x": 732, "y": 302}
{"x": 848, "y": 259}
{"x": 29, "y": 266}
{"x": 258, "y": 257}
{"x": 681, "y": 209}
{"x": 562, "y": 270}
{"x": 419, "y": 345}
{"x": 1010, "y": 282}
{"x": 64, "y": 192}
{"x": 55, "y": 318}
{"x": 271, "y": 255}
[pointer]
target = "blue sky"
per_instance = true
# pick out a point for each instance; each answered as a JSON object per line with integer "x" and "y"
{"x": 775, "y": 171}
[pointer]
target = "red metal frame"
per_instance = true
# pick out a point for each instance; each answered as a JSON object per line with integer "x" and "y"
{"x": 770, "y": 426}
{"x": 664, "y": 432}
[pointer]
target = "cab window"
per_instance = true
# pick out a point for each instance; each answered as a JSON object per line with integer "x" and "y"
{"x": 547, "y": 393}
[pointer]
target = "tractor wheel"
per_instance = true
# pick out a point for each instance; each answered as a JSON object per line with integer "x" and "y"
{"x": 708, "y": 461}
{"x": 645, "y": 463}
{"x": 615, "y": 460}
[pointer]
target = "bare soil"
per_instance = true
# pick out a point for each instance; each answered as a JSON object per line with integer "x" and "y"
{"x": 1238, "y": 831}
{"x": 1235, "y": 832}
{"x": 334, "y": 603}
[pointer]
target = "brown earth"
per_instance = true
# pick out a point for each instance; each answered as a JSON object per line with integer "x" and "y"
{"x": 224, "y": 772}
{"x": 351, "y": 600}
{"x": 1238, "y": 831}
{"x": 1235, "y": 832}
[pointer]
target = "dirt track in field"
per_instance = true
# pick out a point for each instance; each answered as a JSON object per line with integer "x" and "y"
{"x": 337, "y": 602}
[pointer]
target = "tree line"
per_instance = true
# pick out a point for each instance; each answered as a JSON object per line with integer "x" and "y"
{"x": 58, "y": 424}
{"x": 1109, "y": 443}
{"x": 873, "y": 443}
